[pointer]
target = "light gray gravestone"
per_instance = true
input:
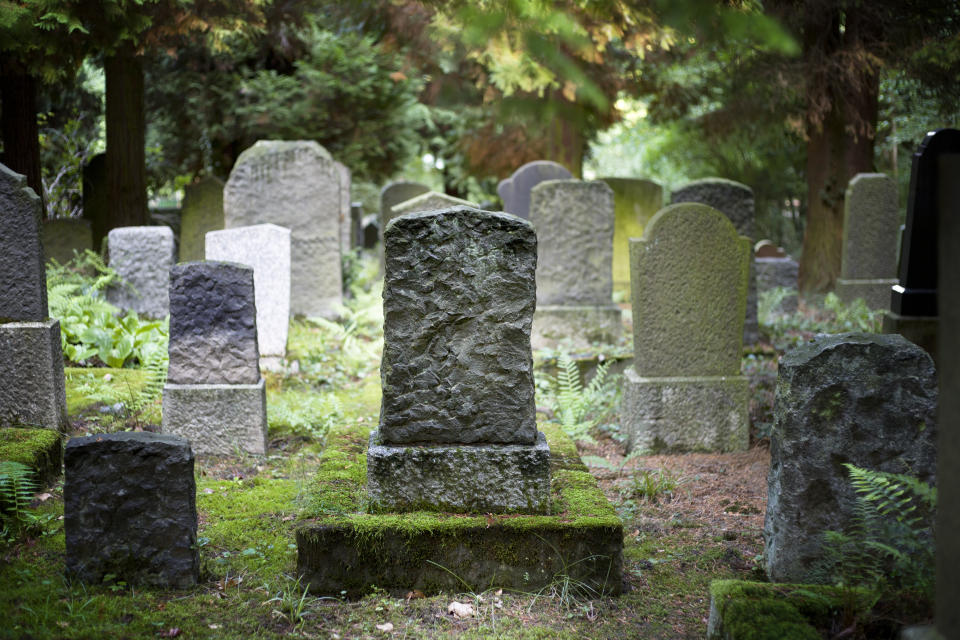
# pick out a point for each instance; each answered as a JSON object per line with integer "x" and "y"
{"x": 294, "y": 184}
{"x": 214, "y": 394}
{"x": 63, "y": 237}
{"x": 31, "y": 363}
{"x": 202, "y": 212}
{"x": 515, "y": 190}
{"x": 266, "y": 249}
{"x": 344, "y": 175}
{"x": 689, "y": 279}
{"x": 457, "y": 426}
{"x": 574, "y": 222}
{"x": 142, "y": 256}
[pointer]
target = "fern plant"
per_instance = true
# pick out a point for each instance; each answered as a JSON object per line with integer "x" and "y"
{"x": 579, "y": 408}
{"x": 17, "y": 486}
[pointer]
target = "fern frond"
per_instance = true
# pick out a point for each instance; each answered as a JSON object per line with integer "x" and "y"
{"x": 17, "y": 486}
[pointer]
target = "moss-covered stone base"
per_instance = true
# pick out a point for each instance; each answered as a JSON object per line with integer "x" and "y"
{"x": 342, "y": 549}
{"x": 39, "y": 449}
{"x": 741, "y": 610}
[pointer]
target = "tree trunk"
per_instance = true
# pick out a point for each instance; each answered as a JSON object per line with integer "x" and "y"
{"x": 126, "y": 125}
{"x": 21, "y": 140}
{"x": 566, "y": 145}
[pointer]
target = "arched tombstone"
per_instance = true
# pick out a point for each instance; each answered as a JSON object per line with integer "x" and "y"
{"x": 515, "y": 190}
{"x": 635, "y": 201}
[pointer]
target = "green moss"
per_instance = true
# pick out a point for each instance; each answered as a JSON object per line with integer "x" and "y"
{"x": 27, "y": 446}
{"x": 761, "y": 611}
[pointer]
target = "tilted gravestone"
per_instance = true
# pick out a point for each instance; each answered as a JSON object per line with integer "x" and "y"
{"x": 515, "y": 190}
{"x": 429, "y": 201}
{"x": 130, "y": 510}
{"x": 63, "y": 238}
{"x": 457, "y": 426}
{"x": 214, "y": 394}
{"x": 864, "y": 399}
{"x": 142, "y": 256}
{"x": 344, "y": 175}
{"x": 870, "y": 229}
{"x": 294, "y": 184}
{"x": 689, "y": 279}
{"x": 266, "y": 249}
{"x": 734, "y": 200}
{"x": 635, "y": 201}
{"x": 31, "y": 363}
{"x": 574, "y": 223}
{"x": 202, "y": 212}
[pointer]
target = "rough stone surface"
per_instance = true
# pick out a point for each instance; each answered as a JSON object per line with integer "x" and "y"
{"x": 344, "y": 176}
{"x": 130, "y": 510}
{"x": 95, "y": 198}
{"x": 574, "y": 223}
{"x": 142, "y": 256}
{"x": 779, "y": 272}
{"x": 429, "y": 201}
{"x": 293, "y": 184}
{"x": 213, "y": 324}
{"x": 635, "y": 201}
{"x": 515, "y": 190}
{"x": 202, "y": 211}
{"x": 689, "y": 279}
{"x": 217, "y": 419}
{"x": 866, "y": 399}
{"x": 61, "y": 238}
{"x": 575, "y": 327}
{"x": 266, "y": 249}
{"x": 395, "y": 193}
{"x": 31, "y": 368}
{"x": 499, "y": 478}
{"x": 23, "y": 281}
{"x": 458, "y": 300}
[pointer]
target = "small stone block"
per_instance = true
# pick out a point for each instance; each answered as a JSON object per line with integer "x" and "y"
{"x": 577, "y": 327}
{"x": 33, "y": 393}
{"x": 218, "y": 419}
{"x": 130, "y": 509}
{"x": 459, "y": 478}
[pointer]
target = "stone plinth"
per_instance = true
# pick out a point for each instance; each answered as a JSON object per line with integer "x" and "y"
{"x": 31, "y": 367}
{"x": 515, "y": 190}
{"x": 218, "y": 419}
{"x": 142, "y": 256}
{"x": 202, "y": 212}
{"x": 635, "y": 202}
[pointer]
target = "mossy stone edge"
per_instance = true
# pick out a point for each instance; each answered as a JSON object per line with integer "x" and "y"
{"x": 39, "y": 449}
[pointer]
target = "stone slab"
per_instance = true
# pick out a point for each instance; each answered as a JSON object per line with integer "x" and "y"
{"x": 142, "y": 256}
{"x": 876, "y": 293}
{"x": 784, "y": 272}
{"x": 680, "y": 414}
{"x": 515, "y": 190}
{"x": 33, "y": 392}
{"x": 459, "y": 478}
{"x": 575, "y": 327}
{"x": 217, "y": 419}
{"x": 130, "y": 509}
{"x": 23, "y": 280}
{"x": 635, "y": 201}
{"x": 871, "y": 220}
{"x": 202, "y": 212}
{"x": 61, "y": 238}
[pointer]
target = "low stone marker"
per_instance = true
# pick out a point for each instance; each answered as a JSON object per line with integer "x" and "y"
{"x": 864, "y": 399}
{"x": 779, "y": 272}
{"x": 689, "y": 278}
{"x": 574, "y": 221}
{"x": 515, "y": 190}
{"x": 61, "y": 238}
{"x": 142, "y": 256}
{"x": 635, "y": 201}
{"x": 214, "y": 394}
{"x": 266, "y": 249}
{"x": 130, "y": 510}
{"x": 429, "y": 201}
{"x": 202, "y": 211}
{"x": 31, "y": 363}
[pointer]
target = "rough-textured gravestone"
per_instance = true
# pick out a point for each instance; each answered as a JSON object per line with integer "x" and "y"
{"x": 266, "y": 249}
{"x": 31, "y": 363}
{"x": 734, "y": 200}
{"x": 778, "y": 272}
{"x": 864, "y": 399}
{"x": 574, "y": 224}
{"x": 344, "y": 175}
{"x": 635, "y": 201}
{"x": 214, "y": 394}
{"x": 515, "y": 190}
{"x": 293, "y": 184}
{"x": 95, "y": 198}
{"x": 870, "y": 228}
{"x": 429, "y": 201}
{"x": 61, "y": 238}
{"x": 202, "y": 212}
{"x": 689, "y": 279}
{"x": 142, "y": 256}
{"x": 457, "y": 369}
{"x": 130, "y": 510}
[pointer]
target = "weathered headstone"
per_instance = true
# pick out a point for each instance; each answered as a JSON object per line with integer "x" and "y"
{"x": 62, "y": 237}
{"x": 515, "y": 190}
{"x": 214, "y": 394}
{"x": 293, "y": 184}
{"x": 266, "y": 249}
{"x": 130, "y": 510}
{"x": 574, "y": 223}
{"x": 95, "y": 198}
{"x": 689, "y": 279}
{"x": 870, "y": 223}
{"x": 142, "y": 256}
{"x": 395, "y": 193}
{"x": 344, "y": 175}
{"x": 202, "y": 212}
{"x": 864, "y": 399}
{"x": 457, "y": 369}
{"x": 429, "y": 201}
{"x": 778, "y": 272}
{"x": 635, "y": 201}
{"x": 31, "y": 364}
{"x": 734, "y": 200}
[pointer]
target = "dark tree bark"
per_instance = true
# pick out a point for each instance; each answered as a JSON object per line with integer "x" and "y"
{"x": 21, "y": 139}
{"x": 126, "y": 129}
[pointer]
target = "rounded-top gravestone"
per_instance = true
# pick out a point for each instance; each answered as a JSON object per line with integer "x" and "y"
{"x": 515, "y": 190}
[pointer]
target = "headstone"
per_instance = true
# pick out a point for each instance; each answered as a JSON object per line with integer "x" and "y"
{"x": 429, "y": 201}
{"x": 734, "y": 200}
{"x": 293, "y": 184}
{"x": 913, "y": 302}
{"x": 371, "y": 231}
{"x": 266, "y": 249}
{"x": 142, "y": 256}
{"x": 515, "y": 190}
{"x": 63, "y": 237}
{"x": 767, "y": 249}
{"x": 356, "y": 225}
{"x": 130, "y": 510}
{"x": 457, "y": 426}
{"x": 343, "y": 174}
{"x": 864, "y": 399}
{"x": 31, "y": 363}
{"x": 395, "y": 193}
{"x": 870, "y": 221}
{"x": 635, "y": 201}
{"x": 779, "y": 272}
{"x": 202, "y": 212}
{"x": 689, "y": 279}
{"x": 574, "y": 222}
{"x": 214, "y": 394}
{"x": 95, "y": 198}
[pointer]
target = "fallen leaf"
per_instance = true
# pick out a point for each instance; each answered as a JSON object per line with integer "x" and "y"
{"x": 386, "y": 627}
{"x": 172, "y": 632}
{"x": 460, "y": 610}
{"x": 214, "y": 626}
{"x": 499, "y": 592}
{"x": 415, "y": 595}
{"x": 208, "y": 490}
{"x": 43, "y": 497}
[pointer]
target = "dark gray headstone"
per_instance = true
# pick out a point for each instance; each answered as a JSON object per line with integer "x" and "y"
{"x": 515, "y": 190}
{"x": 23, "y": 281}
{"x": 95, "y": 198}
{"x": 130, "y": 509}
{"x": 371, "y": 231}
{"x": 779, "y": 272}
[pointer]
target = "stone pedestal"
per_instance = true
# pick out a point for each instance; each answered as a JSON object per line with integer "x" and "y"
{"x": 876, "y": 292}
{"x": 576, "y": 327}
{"x": 31, "y": 367}
{"x": 218, "y": 419}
